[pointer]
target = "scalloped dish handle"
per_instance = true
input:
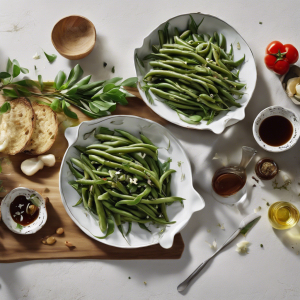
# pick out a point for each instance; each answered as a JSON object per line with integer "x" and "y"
{"x": 71, "y": 134}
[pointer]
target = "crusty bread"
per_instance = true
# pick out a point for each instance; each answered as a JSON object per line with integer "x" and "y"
{"x": 16, "y": 126}
{"x": 44, "y": 134}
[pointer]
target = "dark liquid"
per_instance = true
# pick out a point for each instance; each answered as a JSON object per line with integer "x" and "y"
{"x": 228, "y": 184}
{"x": 276, "y": 130}
{"x": 18, "y": 209}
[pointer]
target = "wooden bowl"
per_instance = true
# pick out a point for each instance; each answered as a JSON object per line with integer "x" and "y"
{"x": 74, "y": 37}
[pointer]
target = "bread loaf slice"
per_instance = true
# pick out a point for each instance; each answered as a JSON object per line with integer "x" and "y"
{"x": 45, "y": 131}
{"x": 16, "y": 126}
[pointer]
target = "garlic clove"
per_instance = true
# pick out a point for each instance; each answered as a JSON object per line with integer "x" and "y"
{"x": 48, "y": 159}
{"x": 30, "y": 166}
{"x": 298, "y": 89}
{"x": 291, "y": 86}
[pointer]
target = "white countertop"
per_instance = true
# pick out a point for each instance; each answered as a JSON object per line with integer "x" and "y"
{"x": 271, "y": 272}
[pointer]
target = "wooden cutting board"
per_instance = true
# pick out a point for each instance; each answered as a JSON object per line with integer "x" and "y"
{"x": 14, "y": 247}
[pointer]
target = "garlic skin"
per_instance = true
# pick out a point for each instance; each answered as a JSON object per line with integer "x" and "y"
{"x": 48, "y": 160}
{"x": 36, "y": 56}
{"x": 30, "y": 166}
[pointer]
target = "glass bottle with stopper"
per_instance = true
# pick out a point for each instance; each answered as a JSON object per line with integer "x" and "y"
{"x": 228, "y": 183}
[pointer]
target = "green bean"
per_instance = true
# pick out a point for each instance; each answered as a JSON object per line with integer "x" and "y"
{"x": 163, "y": 85}
{"x": 181, "y": 95}
{"x": 166, "y": 74}
{"x": 126, "y": 168}
{"x": 151, "y": 147}
{"x": 220, "y": 70}
{"x": 157, "y": 56}
{"x": 122, "y": 188}
{"x": 144, "y": 208}
{"x": 180, "y": 41}
{"x": 146, "y": 140}
{"x": 164, "y": 176}
{"x": 161, "y": 65}
{"x": 136, "y": 213}
{"x": 80, "y": 149}
{"x": 137, "y": 200}
{"x": 211, "y": 105}
{"x": 197, "y": 37}
{"x": 163, "y": 209}
{"x": 98, "y": 146}
{"x": 219, "y": 82}
{"x": 180, "y": 64}
{"x": 106, "y": 137}
{"x": 116, "y": 144}
{"x": 229, "y": 98}
{"x": 105, "y": 174}
{"x": 118, "y": 211}
{"x": 207, "y": 98}
{"x": 237, "y": 85}
{"x": 216, "y": 38}
{"x": 152, "y": 165}
{"x": 129, "y": 136}
{"x": 187, "y": 60}
{"x": 184, "y": 53}
{"x": 132, "y": 149}
{"x": 206, "y": 37}
{"x": 91, "y": 182}
{"x": 85, "y": 197}
{"x": 205, "y": 51}
{"x": 218, "y": 61}
{"x": 86, "y": 161}
{"x": 234, "y": 63}
{"x": 222, "y": 42}
{"x": 137, "y": 157}
{"x": 116, "y": 159}
{"x": 168, "y": 188}
{"x": 203, "y": 78}
{"x": 77, "y": 174}
{"x": 91, "y": 197}
{"x": 115, "y": 194}
{"x": 176, "y": 46}
{"x": 162, "y": 200}
{"x": 185, "y": 34}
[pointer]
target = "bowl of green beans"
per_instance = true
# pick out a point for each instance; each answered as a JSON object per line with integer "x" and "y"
{"x": 127, "y": 182}
{"x": 196, "y": 71}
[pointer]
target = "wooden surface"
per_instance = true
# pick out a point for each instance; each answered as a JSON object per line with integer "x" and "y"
{"x": 14, "y": 247}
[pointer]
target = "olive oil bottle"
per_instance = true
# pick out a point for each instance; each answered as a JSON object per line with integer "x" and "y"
{"x": 283, "y": 215}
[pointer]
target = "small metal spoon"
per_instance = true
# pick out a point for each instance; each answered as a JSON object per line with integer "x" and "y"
{"x": 293, "y": 72}
{"x": 245, "y": 225}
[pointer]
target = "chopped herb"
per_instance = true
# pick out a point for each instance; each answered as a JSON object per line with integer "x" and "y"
{"x": 113, "y": 69}
{"x": 129, "y": 277}
{"x": 104, "y": 64}
{"x": 238, "y": 46}
{"x": 179, "y": 163}
{"x": 283, "y": 187}
{"x": 19, "y": 226}
{"x": 261, "y": 245}
{"x": 35, "y": 67}
{"x": 268, "y": 204}
{"x": 51, "y": 57}
{"x": 254, "y": 185}
{"x": 145, "y": 283}
{"x": 260, "y": 22}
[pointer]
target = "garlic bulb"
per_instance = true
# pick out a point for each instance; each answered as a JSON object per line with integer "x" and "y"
{"x": 293, "y": 87}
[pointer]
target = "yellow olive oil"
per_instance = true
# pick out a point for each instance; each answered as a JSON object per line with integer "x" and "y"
{"x": 283, "y": 215}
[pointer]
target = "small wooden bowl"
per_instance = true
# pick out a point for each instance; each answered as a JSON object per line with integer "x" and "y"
{"x": 74, "y": 37}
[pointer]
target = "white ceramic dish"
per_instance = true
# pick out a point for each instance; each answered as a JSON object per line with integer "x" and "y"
{"x": 8, "y": 220}
{"x": 181, "y": 186}
{"x": 277, "y": 111}
{"x": 248, "y": 72}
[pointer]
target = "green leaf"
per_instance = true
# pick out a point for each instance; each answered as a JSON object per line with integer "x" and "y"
{"x": 4, "y": 108}
{"x": 59, "y": 80}
{"x": 90, "y": 86}
{"x": 23, "y": 91}
{"x": 113, "y": 80}
{"x": 51, "y": 57}
{"x": 116, "y": 96}
{"x": 166, "y": 165}
{"x": 108, "y": 87}
{"x": 56, "y": 105}
{"x": 131, "y": 82}
{"x": 10, "y": 93}
{"x": 68, "y": 112}
{"x": 16, "y": 70}
{"x": 143, "y": 226}
{"x": 40, "y": 78}
{"x": 93, "y": 108}
{"x": 74, "y": 75}
{"x": 9, "y": 65}
{"x": 113, "y": 69}
{"x": 80, "y": 83}
{"x": 24, "y": 70}
{"x": 27, "y": 82}
{"x": 93, "y": 115}
{"x": 4, "y": 75}
{"x": 193, "y": 25}
{"x": 103, "y": 106}
{"x": 249, "y": 226}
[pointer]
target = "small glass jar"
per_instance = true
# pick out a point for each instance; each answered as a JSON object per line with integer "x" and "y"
{"x": 266, "y": 169}
{"x": 283, "y": 215}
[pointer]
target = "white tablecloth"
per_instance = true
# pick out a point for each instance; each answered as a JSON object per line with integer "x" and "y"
{"x": 271, "y": 272}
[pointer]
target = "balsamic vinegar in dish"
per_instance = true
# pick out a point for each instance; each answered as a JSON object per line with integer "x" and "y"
{"x": 276, "y": 131}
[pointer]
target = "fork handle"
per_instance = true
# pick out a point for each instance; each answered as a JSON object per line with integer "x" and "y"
{"x": 182, "y": 286}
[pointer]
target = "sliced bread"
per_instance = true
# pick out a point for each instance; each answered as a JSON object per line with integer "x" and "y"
{"x": 16, "y": 126}
{"x": 45, "y": 131}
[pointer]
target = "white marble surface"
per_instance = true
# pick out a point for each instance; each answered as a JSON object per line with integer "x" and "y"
{"x": 268, "y": 273}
